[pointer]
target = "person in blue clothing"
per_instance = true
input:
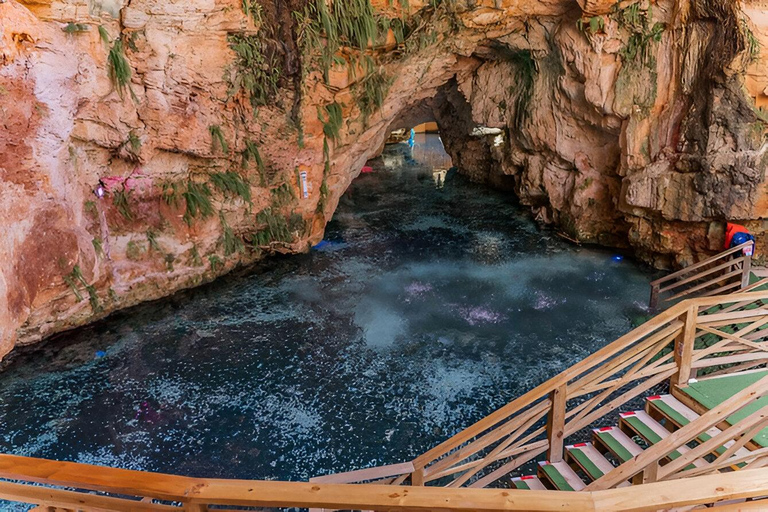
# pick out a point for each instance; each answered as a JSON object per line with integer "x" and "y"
{"x": 735, "y": 235}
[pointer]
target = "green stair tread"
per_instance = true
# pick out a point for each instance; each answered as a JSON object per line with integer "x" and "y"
{"x": 753, "y": 278}
{"x": 556, "y": 478}
{"x": 615, "y": 446}
{"x": 644, "y": 430}
{"x": 712, "y": 392}
{"x": 586, "y": 463}
{"x": 669, "y": 412}
{"x": 520, "y": 484}
{"x": 648, "y": 434}
{"x": 682, "y": 421}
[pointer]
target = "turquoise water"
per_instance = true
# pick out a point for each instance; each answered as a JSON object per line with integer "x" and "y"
{"x": 423, "y": 311}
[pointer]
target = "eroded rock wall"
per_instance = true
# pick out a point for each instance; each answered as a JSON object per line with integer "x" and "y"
{"x": 151, "y": 146}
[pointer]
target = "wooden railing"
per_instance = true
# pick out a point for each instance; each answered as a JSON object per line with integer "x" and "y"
{"x": 67, "y": 486}
{"x": 722, "y": 273}
{"x": 700, "y": 337}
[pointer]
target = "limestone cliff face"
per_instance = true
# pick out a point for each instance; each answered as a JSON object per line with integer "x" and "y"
{"x": 148, "y": 146}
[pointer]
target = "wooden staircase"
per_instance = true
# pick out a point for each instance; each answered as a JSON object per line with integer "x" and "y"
{"x": 589, "y": 461}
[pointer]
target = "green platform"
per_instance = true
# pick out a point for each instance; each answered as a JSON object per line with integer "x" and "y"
{"x": 712, "y": 392}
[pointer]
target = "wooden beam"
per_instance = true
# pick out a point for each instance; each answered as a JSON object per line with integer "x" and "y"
{"x": 64, "y": 499}
{"x": 362, "y": 475}
{"x": 556, "y": 423}
{"x": 684, "y": 347}
{"x": 746, "y": 268}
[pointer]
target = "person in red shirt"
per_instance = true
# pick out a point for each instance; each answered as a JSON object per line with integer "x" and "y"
{"x": 736, "y": 235}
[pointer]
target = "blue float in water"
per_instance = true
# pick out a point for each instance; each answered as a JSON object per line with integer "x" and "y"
{"x": 320, "y": 244}
{"x": 100, "y": 353}
{"x": 618, "y": 257}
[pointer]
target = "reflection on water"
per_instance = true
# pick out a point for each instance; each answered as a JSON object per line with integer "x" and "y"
{"x": 425, "y": 310}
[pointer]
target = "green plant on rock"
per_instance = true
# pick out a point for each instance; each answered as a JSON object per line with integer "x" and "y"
{"x": 217, "y": 138}
{"x": 321, "y": 203}
{"x": 198, "y": 200}
{"x": 215, "y": 262}
{"x": 372, "y": 93}
{"x": 194, "y": 257}
{"x": 75, "y": 28}
{"x": 75, "y": 277}
{"x": 90, "y": 208}
{"x": 752, "y": 43}
{"x": 134, "y": 142}
{"x": 119, "y": 69}
{"x": 97, "y": 246}
{"x": 331, "y": 117}
{"x": 152, "y": 240}
{"x": 324, "y": 28}
{"x": 253, "y": 9}
{"x": 72, "y": 279}
{"x": 282, "y": 195}
{"x": 171, "y": 193}
{"x": 232, "y": 184}
{"x": 121, "y": 201}
{"x": 275, "y": 229}
{"x": 251, "y": 152}
{"x": 594, "y": 24}
{"x": 232, "y": 243}
{"x": 637, "y": 21}
{"x": 255, "y": 71}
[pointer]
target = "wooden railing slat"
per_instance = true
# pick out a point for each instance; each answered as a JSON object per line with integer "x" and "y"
{"x": 360, "y": 475}
{"x": 700, "y": 264}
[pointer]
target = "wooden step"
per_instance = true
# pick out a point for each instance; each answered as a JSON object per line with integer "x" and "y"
{"x": 679, "y": 415}
{"x": 642, "y": 424}
{"x": 561, "y": 476}
{"x": 528, "y": 482}
{"x": 613, "y": 440}
{"x": 589, "y": 459}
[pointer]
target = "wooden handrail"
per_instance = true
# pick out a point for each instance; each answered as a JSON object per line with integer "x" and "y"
{"x": 703, "y": 263}
{"x": 204, "y": 492}
{"x": 694, "y": 274}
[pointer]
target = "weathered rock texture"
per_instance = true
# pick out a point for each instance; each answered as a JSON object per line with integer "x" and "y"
{"x": 626, "y": 125}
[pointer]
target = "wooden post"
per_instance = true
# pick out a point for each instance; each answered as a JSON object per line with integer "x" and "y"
{"x": 654, "y": 300}
{"x": 651, "y": 473}
{"x": 556, "y": 423}
{"x": 684, "y": 347}
{"x": 417, "y": 477}
{"x": 746, "y": 267}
